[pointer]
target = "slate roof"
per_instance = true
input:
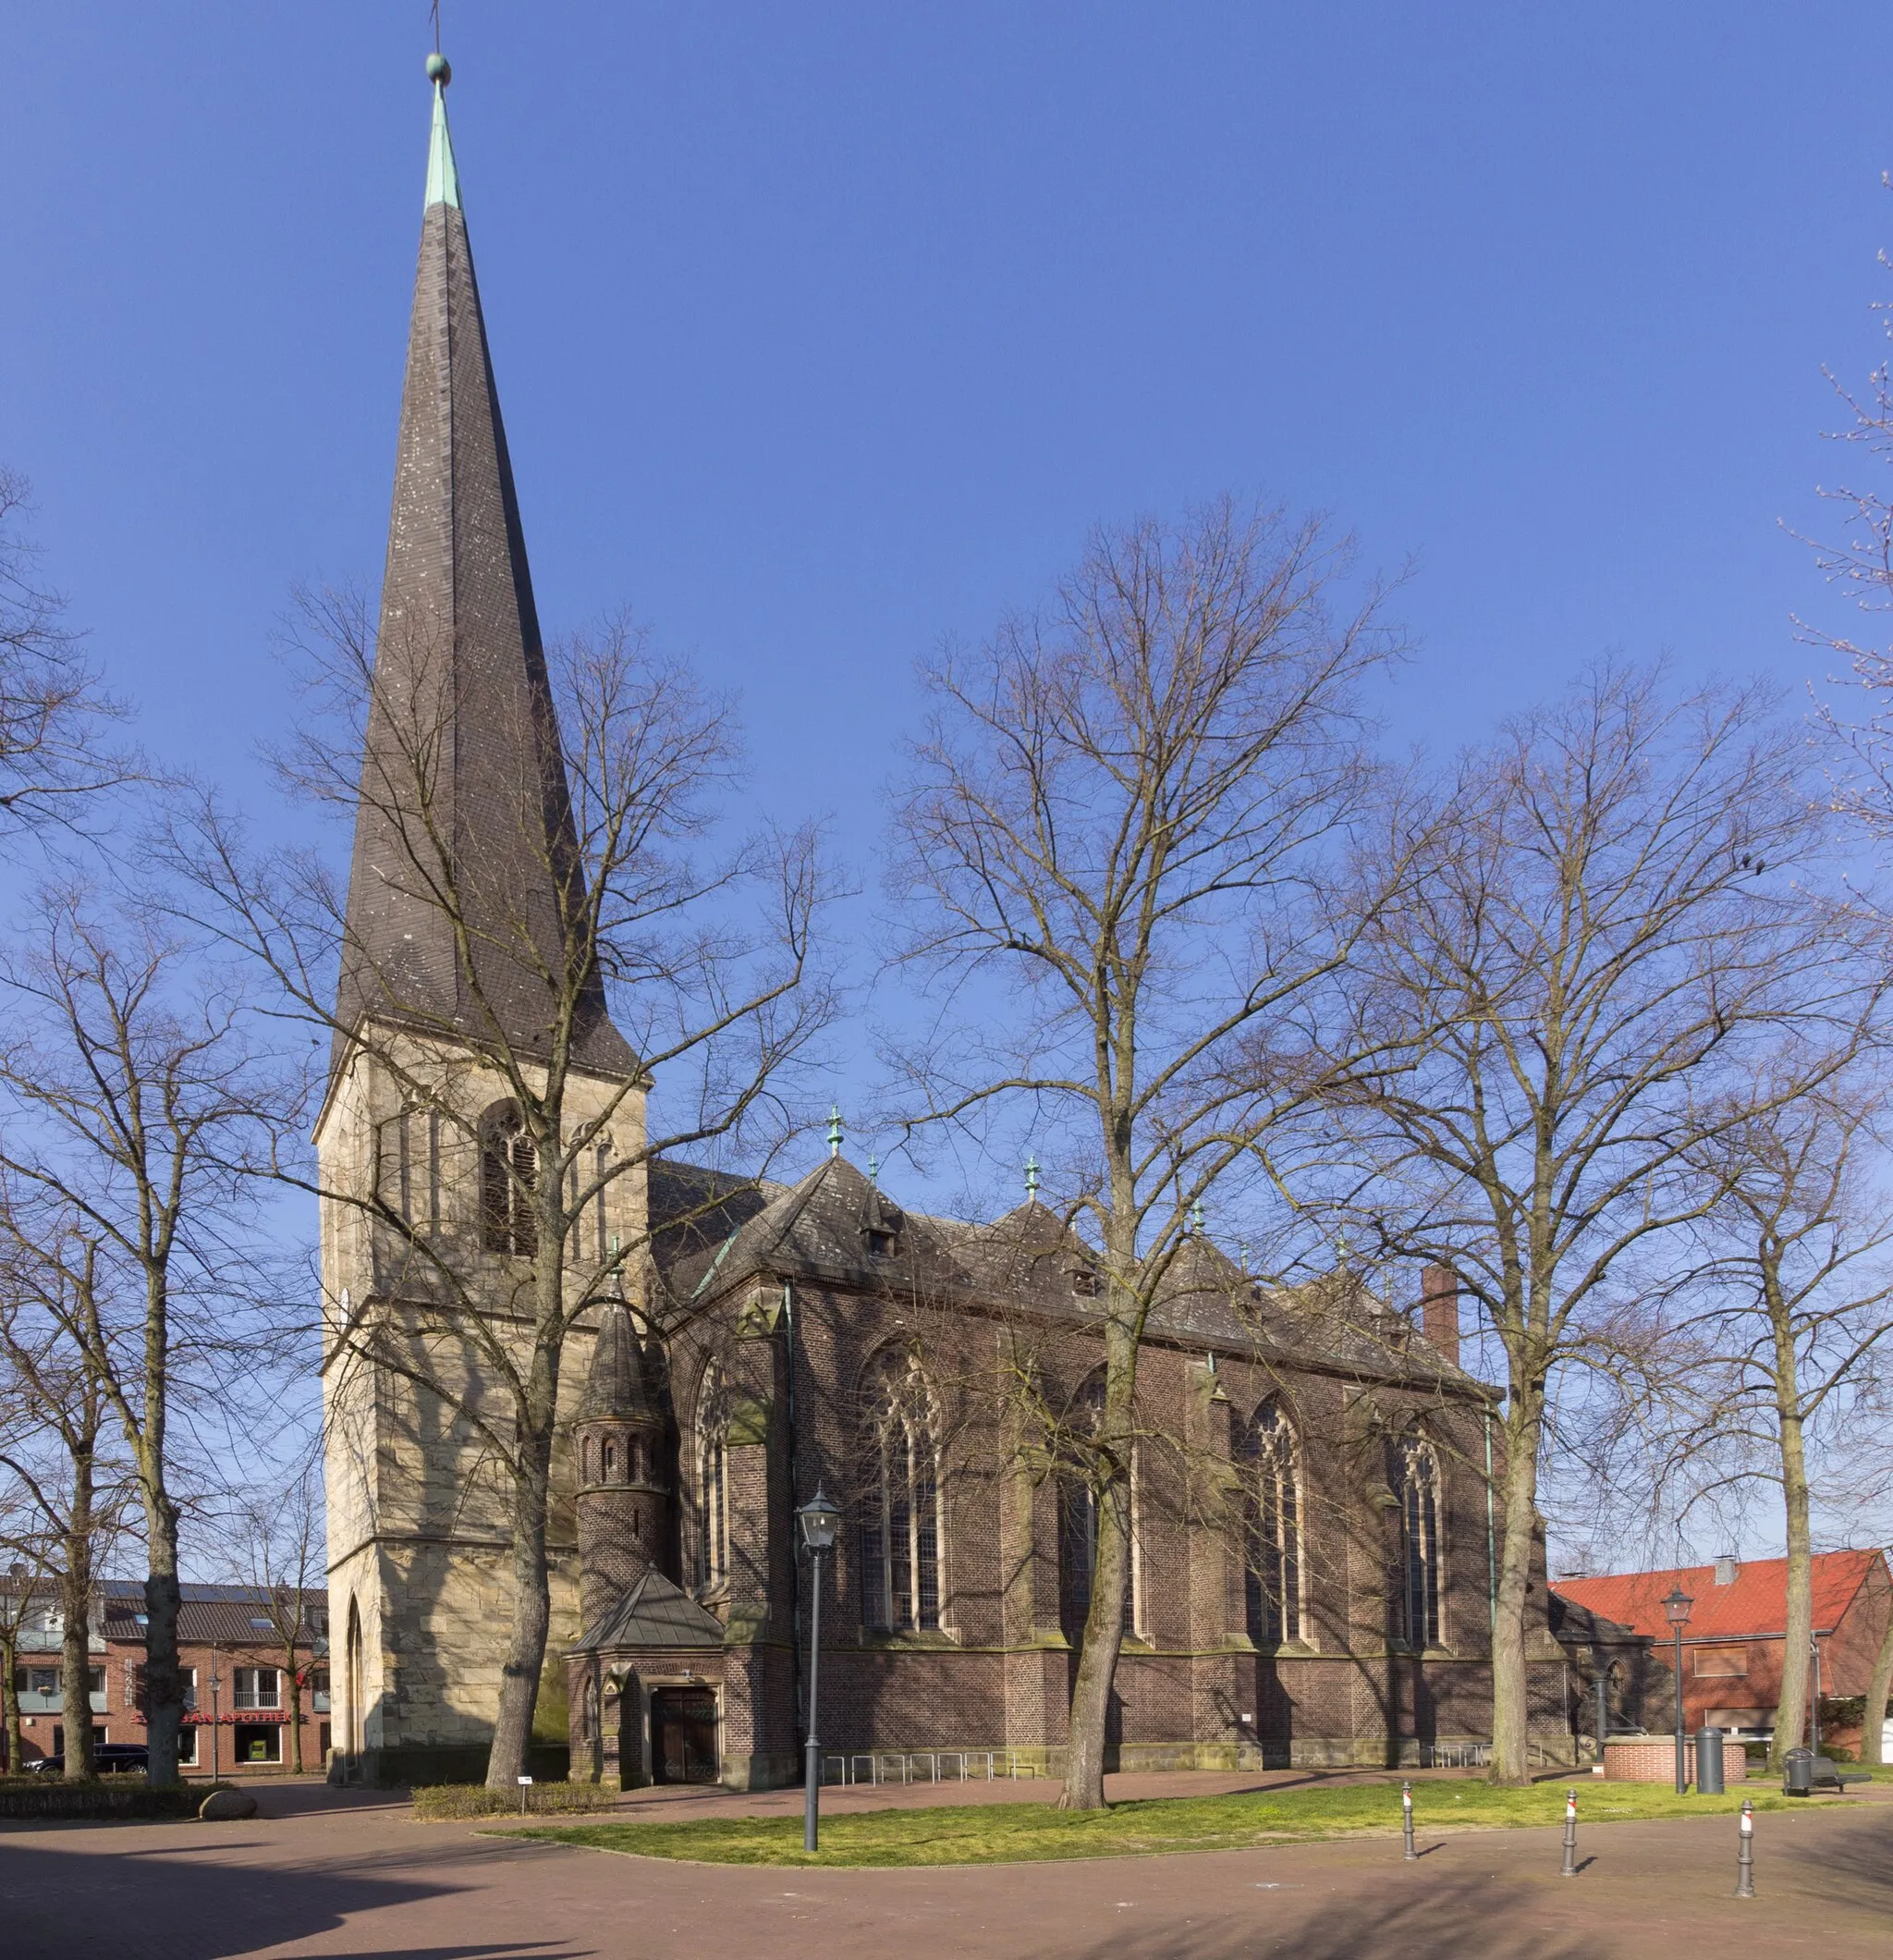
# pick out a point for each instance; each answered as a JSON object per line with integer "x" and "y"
{"x": 461, "y": 693}
{"x": 822, "y": 1228}
{"x": 222, "y": 1613}
{"x": 615, "y": 1383}
{"x": 652, "y": 1613}
{"x": 1754, "y": 1604}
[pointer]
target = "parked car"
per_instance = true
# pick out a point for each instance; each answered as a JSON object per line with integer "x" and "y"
{"x": 109, "y": 1759}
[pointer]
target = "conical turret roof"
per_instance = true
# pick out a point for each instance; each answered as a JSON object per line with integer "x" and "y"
{"x": 465, "y": 814}
{"x": 615, "y": 1385}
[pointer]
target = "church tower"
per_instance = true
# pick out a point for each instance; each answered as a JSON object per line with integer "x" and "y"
{"x": 452, "y": 993}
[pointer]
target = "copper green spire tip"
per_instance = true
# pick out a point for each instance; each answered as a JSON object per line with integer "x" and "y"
{"x": 443, "y": 180}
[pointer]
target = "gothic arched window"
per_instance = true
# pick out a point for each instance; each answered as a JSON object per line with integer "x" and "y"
{"x": 1078, "y": 1516}
{"x": 509, "y": 1176}
{"x": 713, "y": 1500}
{"x": 1272, "y": 1526}
{"x": 1420, "y": 1549}
{"x": 900, "y": 1501}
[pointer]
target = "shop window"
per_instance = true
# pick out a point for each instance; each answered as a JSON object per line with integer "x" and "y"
{"x": 258, "y": 1743}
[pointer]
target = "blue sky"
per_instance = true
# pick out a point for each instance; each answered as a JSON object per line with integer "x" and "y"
{"x": 825, "y": 331}
{"x": 823, "y": 334}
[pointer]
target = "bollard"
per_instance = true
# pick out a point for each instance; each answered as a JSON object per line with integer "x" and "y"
{"x": 1407, "y": 1816}
{"x": 1745, "y": 1863}
{"x": 1570, "y": 1835}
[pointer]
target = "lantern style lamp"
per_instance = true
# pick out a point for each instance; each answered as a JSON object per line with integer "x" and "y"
{"x": 1677, "y": 1605}
{"x": 820, "y": 1522}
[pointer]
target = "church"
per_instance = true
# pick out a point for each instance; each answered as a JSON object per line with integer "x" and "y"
{"x": 1313, "y": 1540}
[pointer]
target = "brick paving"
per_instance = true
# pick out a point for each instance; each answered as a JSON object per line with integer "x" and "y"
{"x": 325, "y": 1872}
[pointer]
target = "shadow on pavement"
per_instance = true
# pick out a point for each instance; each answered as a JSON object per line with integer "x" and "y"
{"x": 1457, "y": 1920}
{"x": 155, "y": 1904}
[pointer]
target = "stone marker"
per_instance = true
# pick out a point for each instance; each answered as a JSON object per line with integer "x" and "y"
{"x": 227, "y": 1807}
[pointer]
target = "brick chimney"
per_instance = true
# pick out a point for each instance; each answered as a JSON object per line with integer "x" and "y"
{"x": 1439, "y": 1310}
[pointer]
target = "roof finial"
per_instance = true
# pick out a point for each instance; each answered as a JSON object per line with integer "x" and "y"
{"x": 834, "y": 1129}
{"x": 873, "y": 1167}
{"x": 443, "y": 180}
{"x": 1196, "y": 1218}
{"x": 1032, "y": 1178}
{"x": 1243, "y": 1247}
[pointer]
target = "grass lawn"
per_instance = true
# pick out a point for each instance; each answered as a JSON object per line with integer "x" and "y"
{"x": 1006, "y": 1834}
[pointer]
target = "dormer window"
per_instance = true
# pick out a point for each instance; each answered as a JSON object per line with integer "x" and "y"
{"x": 880, "y": 1243}
{"x": 1084, "y": 1283}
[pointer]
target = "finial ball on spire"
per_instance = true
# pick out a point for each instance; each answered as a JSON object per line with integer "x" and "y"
{"x": 438, "y": 69}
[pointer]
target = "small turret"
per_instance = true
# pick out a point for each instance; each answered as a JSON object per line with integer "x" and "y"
{"x": 623, "y": 1499}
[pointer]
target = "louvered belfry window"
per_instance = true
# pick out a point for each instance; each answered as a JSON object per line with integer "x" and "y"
{"x": 509, "y": 1177}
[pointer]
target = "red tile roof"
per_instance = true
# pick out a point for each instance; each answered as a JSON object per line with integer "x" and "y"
{"x": 1754, "y": 1604}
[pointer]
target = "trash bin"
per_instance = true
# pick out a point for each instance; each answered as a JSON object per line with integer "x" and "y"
{"x": 1709, "y": 1763}
{"x": 1798, "y": 1780}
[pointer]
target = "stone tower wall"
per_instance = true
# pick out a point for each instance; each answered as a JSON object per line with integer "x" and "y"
{"x": 417, "y": 1499}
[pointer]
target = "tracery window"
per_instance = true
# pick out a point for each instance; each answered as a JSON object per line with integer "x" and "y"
{"x": 1420, "y": 1547}
{"x": 1078, "y": 1518}
{"x": 713, "y": 1499}
{"x": 900, "y": 1501}
{"x": 1272, "y": 1526}
{"x": 509, "y": 1177}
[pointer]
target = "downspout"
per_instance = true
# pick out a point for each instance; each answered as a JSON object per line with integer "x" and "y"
{"x": 1491, "y": 1540}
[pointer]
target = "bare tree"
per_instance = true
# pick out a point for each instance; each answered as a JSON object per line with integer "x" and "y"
{"x": 1801, "y": 1295}
{"x": 593, "y": 939}
{"x": 136, "y": 1113}
{"x": 1119, "y": 853}
{"x": 53, "y": 708}
{"x": 1605, "y": 932}
{"x": 278, "y": 1552}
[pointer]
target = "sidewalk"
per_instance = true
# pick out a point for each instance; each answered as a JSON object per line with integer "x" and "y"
{"x": 347, "y": 1872}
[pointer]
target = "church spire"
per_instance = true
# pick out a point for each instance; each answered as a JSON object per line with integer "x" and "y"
{"x": 466, "y": 855}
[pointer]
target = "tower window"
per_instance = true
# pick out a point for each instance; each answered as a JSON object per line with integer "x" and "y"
{"x": 508, "y": 1179}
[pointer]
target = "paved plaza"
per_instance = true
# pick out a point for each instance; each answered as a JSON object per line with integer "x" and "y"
{"x": 324, "y": 1872}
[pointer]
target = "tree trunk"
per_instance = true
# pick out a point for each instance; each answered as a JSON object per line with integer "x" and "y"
{"x": 1088, "y": 1726}
{"x": 9, "y": 1703}
{"x": 1100, "y": 1644}
{"x": 518, "y": 1688}
{"x": 1878, "y": 1689}
{"x": 1519, "y": 1488}
{"x": 295, "y": 1685}
{"x": 164, "y": 1681}
{"x": 75, "y": 1602}
{"x": 1791, "y": 1713}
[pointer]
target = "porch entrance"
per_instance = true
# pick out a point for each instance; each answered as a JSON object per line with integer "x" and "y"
{"x": 683, "y": 1735}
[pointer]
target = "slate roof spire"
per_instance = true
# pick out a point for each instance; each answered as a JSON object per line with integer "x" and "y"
{"x": 464, "y": 809}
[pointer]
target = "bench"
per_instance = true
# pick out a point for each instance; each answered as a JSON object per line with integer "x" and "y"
{"x": 1825, "y": 1774}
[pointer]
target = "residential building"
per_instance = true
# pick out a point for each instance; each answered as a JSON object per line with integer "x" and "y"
{"x": 1736, "y": 1631}
{"x": 237, "y": 1666}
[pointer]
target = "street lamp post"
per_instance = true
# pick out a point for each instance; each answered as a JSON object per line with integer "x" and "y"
{"x": 820, "y": 1521}
{"x": 217, "y": 1682}
{"x": 1678, "y": 1606}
